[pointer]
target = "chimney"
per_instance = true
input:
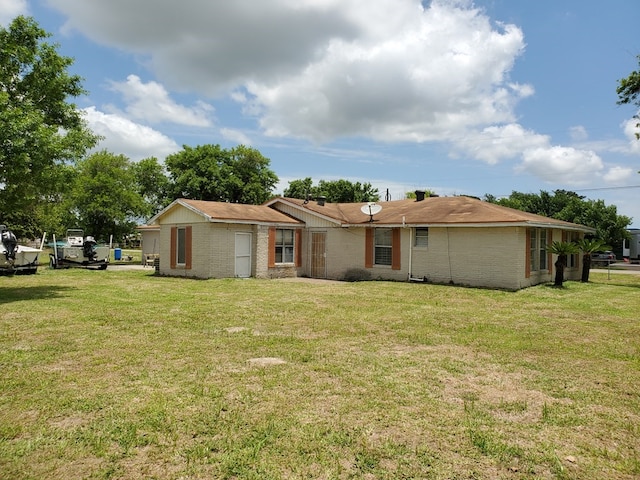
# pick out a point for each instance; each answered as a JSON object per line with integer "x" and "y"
{"x": 419, "y": 195}
{"x": 320, "y": 200}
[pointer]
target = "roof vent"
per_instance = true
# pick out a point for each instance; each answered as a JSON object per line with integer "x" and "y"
{"x": 419, "y": 195}
{"x": 321, "y": 200}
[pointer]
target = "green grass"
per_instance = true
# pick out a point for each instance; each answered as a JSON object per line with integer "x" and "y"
{"x": 108, "y": 374}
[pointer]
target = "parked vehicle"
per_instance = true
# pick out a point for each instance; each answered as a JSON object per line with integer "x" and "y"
{"x": 15, "y": 258}
{"x": 603, "y": 258}
{"x": 631, "y": 246}
{"x": 79, "y": 251}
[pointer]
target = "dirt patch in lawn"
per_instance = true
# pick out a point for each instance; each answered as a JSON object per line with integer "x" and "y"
{"x": 266, "y": 361}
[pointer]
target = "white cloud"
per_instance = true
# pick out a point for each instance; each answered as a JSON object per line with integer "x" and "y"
{"x": 10, "y": 9}
{"x": 562, "y": 165}
{"x": 618, "y": 175}
{"x": 390, "y": 70}
{"x": 151, "y": 102}
{"x": 442, "y": 72}
{"x": 122, "y": 136}
{"x": 631, "y": 129}
{"x": 235, "y": 136}
{"x": 578, "y": 133}
{"x": 494, "y": 144}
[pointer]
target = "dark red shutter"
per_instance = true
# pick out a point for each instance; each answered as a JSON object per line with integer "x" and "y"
{"x": 527, "y": 254}
{"x": 272, "y": 247}
{"x": 297, "y": 247}
{"x": 395, "y": 249}
{"x": 368, "y": 248}
{"x": 549, "y": 255}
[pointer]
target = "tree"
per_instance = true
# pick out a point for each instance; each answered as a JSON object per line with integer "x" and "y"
{"x": 588, "y": 246}
{"x": 334, "y": 191}
{"x": 562, "y": 250}
{"x": 40, "y": 131}
{"x": 610, "y": 227}
{"x": 629, "y": 92}
{"x": 152, "y": 183}
{"x": 565, "y": 205}
{"x": 300, "y": 189}
{"x": 209, "y": 172}
{"x": 104, "y": 198}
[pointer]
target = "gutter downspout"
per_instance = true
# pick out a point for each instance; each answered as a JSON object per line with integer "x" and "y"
{"x": 410, "y": 250}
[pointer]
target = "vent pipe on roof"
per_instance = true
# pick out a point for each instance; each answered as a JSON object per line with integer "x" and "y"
{"x": 419, "y": 195}
{"x": 321, "y": 200}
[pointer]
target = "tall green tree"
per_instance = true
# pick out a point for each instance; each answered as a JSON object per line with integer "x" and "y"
{"x": 335, "y": 191}
{"x": 629, "y": 92}
{"x": 104, "y": 198}
{"x": 152, "y": 183}
{"x": 41, "y": 131}
{"x": 300, "y": 188}
{"x": 210, "y": 172}
{"x": 565, "y": 205}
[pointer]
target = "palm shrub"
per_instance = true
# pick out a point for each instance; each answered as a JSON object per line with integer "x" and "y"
{"x": 589, "y": 246}
{"x": 562, "y": 250}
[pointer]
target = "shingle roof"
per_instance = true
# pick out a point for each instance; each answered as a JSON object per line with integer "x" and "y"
{"x": 430, "y": 211}
{"x": 222, "y": 211}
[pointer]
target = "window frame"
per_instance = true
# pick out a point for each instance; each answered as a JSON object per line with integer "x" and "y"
{"x": 573, "y": 260}
{"x": 423, "y": 238}
{"x": 538, "y": 249}
{"x": 181, "y": 246}
{"x": 283, "y": 249}
{"x": 383, "y": 252}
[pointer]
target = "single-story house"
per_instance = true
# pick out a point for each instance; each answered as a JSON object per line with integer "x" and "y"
{"x": 458, "y": 240}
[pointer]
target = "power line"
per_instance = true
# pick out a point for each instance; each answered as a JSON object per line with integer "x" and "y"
{"x": 605, "y": 188}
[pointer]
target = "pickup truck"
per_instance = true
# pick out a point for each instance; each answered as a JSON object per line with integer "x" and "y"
{"x": 603, "y": 258}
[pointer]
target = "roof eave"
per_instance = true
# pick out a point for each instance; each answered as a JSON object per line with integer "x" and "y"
{"x": 574, "y": 227}
{"x": 254, "y": 222}
{"x": 171, "y": 206}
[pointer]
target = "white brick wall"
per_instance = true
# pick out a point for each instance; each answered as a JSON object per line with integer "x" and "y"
{"x": 487, "y": 257}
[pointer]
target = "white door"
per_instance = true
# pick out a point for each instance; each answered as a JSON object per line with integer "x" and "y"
{"x": 243, "y": 255}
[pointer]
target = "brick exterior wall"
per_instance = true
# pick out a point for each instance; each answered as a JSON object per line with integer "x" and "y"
{"x": 485, "y": 257}
{"x": 493, "y": 257}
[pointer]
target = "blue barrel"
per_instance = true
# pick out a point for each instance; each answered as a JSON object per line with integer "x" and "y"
{"x": 117, "y": 253}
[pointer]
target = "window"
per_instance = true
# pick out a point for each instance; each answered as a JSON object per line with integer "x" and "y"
{"x": 181, "y": 246}
{"x": 573, "y": 259}
{"x": 284, "y": 246}
{"x": 422, "y": 237}
{"x": 542, "y": 257}
{"x": 538, "y": 254}
{"x": 383, "y": 246}
{"x": 180, "y": 253}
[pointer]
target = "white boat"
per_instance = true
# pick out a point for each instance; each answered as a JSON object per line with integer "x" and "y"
{"x": 79, "y": 251}
{"x": 15, "y": 258}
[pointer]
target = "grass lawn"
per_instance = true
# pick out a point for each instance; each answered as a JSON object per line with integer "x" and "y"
{"x": 122, "y": 374}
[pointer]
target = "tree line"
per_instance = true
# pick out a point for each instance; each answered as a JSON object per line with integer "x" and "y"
{"x": 51, "y": 178}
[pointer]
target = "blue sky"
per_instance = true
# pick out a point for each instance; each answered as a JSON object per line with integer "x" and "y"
{"x": 458, "y": 97}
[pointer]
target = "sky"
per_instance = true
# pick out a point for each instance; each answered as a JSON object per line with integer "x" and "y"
{"x": 458, "y": 97}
